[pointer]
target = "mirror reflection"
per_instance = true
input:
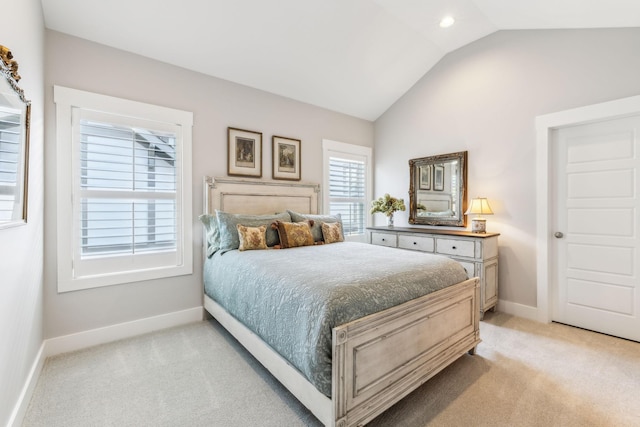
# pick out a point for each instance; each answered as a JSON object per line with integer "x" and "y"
{"x": 14, "y": 139}
{"x": 437, "y": 191}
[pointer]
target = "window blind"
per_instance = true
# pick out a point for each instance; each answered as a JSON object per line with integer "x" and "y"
{"x": 127, "y": 188}
{"x": 347, "y": 190}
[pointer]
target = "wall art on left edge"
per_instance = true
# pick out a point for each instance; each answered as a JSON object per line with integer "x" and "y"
{"x": 15, "y": 116}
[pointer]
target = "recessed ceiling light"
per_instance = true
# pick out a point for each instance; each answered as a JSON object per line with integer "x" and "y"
{"x": 447, "y": 21}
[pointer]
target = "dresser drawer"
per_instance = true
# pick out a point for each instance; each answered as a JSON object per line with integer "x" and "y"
{"x": 417, "y": 243}
{"x": 384, "y": 239}
{"x": 453, "y": 247}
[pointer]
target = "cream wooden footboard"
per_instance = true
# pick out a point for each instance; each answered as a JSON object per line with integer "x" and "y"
{"x": 378, "y": 359}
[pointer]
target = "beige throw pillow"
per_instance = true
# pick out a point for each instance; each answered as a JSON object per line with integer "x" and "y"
{"x": 252, "y": 238}
{"x": 332, "y": 232}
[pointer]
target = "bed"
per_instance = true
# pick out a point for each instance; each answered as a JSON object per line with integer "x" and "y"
{"x": 374, "y": 359}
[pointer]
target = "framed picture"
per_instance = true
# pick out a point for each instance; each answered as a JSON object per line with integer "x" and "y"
{"x": 438, "y": 177}
{"x": 244, "y": 153}
{"x": 425, "y": 178}
{"x": 286, "y": 158}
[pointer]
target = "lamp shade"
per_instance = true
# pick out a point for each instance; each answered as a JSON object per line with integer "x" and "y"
{"x": 479, "y": 206}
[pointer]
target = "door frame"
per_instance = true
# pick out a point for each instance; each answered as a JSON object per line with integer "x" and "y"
{"x": 545, "y": 125}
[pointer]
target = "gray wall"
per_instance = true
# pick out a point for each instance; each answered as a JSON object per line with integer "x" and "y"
{"x": 216, "y": 104}
{"x": 484, "y": 98}
{"x": 21, "y": 247}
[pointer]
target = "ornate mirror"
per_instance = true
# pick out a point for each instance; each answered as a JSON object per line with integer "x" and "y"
{"x": 438, "y": 190}
{"x": 14, "y": 143}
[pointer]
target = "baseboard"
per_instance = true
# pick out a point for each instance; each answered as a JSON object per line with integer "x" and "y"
{"x": 80, "y": 340}
{"x": 520, "y": 310}
{"x": 22, "y": 404}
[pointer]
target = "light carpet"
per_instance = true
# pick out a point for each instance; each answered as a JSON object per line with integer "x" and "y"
{"x": 523, "y": 374}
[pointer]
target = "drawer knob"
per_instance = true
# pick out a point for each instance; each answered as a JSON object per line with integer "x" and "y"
{"x": 453, "y": 247}
{"x": 383, "y": 240}
{"x": 415, "y": 243}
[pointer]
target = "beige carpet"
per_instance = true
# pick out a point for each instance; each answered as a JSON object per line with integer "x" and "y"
{"x": 524, "y": 374}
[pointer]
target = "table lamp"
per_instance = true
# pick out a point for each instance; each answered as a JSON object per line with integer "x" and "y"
{"x": 479, "y": 206}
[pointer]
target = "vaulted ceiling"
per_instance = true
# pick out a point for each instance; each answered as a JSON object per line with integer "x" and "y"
{"x": 352, "y": 56}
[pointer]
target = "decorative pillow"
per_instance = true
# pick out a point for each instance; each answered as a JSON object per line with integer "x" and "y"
{"x": 332, "y": 232}
{"x": 252, "y": 237}
{"x": 227, "y": 227}
{"x": 294, "y": 234}
{"x": 316, "y": 229}
{"x": 211, "y": 233}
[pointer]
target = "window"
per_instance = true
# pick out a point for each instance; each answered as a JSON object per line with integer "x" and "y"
{"x": 124, "y": 201}
{"x": 347, "y": 172}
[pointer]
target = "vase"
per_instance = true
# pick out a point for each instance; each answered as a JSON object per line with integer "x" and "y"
{"x": 390, "y": 220}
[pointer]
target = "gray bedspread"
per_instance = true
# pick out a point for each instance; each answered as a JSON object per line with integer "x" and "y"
{"x": 292, "y": 298}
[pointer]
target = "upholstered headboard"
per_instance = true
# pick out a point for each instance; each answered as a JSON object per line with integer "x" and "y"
{"x": 259, "y": 197}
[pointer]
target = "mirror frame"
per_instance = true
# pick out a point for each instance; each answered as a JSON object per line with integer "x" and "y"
{"x": 457, "y": 220}
{"x": 9, "y": 72}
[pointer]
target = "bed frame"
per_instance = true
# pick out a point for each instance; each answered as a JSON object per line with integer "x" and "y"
{"x": 378, "y": 359}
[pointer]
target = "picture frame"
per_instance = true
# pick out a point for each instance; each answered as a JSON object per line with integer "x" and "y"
{"x": 438, "y": 177}
{"x": 425, "y": 178}
{"x": 244, "y": 152}
{"x": 286, "y": 158}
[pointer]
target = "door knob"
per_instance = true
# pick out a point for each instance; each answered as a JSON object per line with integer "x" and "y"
{"x": 558, "y": 235}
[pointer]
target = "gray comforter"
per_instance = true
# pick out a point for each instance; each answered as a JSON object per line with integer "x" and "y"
{"x": 292, "y": 298}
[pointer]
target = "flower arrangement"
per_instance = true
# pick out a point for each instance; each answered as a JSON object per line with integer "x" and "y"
{"x": 387, "y": 205}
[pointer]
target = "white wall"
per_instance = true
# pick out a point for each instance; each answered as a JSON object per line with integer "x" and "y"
{"x": 21, "y": 247}
{"x": 484, "y": 98}
{"x": 217, "y": 104}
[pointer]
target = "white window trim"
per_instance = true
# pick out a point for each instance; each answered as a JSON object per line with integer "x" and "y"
{"x": 65, "y": 99}
{"x": 329, "y": 148}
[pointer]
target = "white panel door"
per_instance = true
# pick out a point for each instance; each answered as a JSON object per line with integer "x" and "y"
{"x": 596, "y": 254}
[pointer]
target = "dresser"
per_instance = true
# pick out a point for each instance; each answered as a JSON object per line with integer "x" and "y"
{"x": 477, "y": 252}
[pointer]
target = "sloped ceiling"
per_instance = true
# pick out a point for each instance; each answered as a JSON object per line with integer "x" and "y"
{"x": 352, "y": 56}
